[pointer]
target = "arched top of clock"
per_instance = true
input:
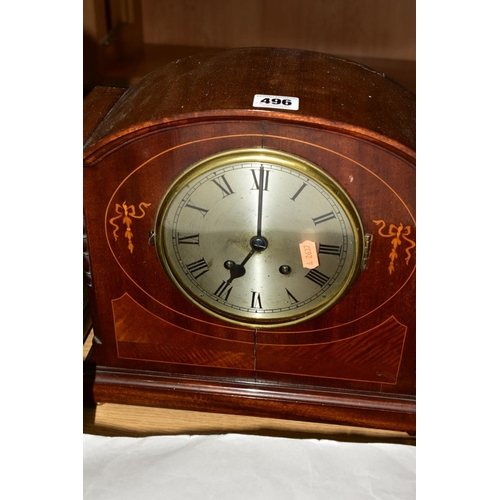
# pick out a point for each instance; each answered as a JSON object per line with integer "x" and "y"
{"x": 334, "y": 94}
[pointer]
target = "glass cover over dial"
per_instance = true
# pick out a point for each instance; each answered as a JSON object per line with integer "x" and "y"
{"x": 258, "y": 237}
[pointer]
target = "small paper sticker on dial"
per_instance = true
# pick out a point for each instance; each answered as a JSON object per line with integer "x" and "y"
{"x": 275, "y": 101}
{"x": 309, "y": 254}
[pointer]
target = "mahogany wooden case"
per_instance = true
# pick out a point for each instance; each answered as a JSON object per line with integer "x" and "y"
{"x": 355, "y": 363}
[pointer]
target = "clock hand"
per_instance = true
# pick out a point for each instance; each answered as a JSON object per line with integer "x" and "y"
{"x": 247, "y": 258}
{"x": 260, "y": 202}
{"x": 258, "y": 243}
{"x": 237, "y": 270}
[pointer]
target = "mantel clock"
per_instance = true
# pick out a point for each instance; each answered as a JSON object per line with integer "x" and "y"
{"x": 249, "y": 239}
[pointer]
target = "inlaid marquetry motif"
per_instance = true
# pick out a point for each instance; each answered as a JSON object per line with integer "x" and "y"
{"x": 398, "y": 234}
{"x": 126, "y": 213}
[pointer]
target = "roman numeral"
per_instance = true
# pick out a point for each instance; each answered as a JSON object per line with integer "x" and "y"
{"x": 290, "y": 296}
{"x": 294, "y": 197}
{"x": 226, "y": 188}
{"x": 198, "y": 268}
{"x": 224, "y": 287}
{"x": 192, "y": 239}
{"x": 316, "y": 277}
{"x": 202, "y": 210}
{"x": 256, "y": 180}
{"x": 256, "y": 302}
{"x": 330, "y": 249}
{"x": 323, "y": 218}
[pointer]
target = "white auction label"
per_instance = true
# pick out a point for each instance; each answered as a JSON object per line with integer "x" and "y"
{"x": 275, "y": 101}
{"x": 309, "y": 254}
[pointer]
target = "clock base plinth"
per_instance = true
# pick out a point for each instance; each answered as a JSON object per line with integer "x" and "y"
{"x": 284, "y": 401}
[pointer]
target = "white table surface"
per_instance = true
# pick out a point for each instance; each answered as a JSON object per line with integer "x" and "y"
{"x": 235, "y": 466}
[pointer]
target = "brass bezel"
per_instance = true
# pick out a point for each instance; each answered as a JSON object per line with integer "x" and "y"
{"x": 280, "y": 158}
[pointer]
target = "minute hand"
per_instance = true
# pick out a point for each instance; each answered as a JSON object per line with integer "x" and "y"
{"x": 260, "y": 202}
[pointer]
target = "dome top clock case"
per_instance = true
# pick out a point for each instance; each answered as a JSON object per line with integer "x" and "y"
{"x": 249, "y": 241}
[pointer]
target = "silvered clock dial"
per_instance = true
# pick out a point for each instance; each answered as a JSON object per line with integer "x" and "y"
{"x": 259, "y": 237}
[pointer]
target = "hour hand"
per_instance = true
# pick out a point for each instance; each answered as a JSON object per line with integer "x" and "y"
{"x": 258, "y": 244}
{"x": 237, "y": 270}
